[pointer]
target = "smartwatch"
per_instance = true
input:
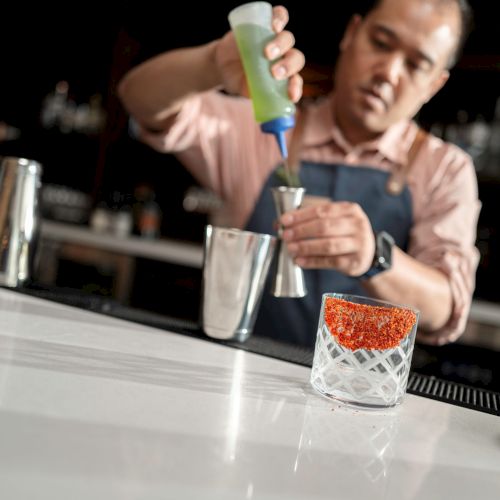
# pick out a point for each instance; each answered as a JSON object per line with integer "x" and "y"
{"x": 382, "y": 260}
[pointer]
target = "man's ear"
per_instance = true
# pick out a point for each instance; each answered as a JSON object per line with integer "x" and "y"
{"x": 350, "y": 31}
{"x": 438, "y": 84}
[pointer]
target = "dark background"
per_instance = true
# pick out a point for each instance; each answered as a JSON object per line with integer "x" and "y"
{"x": 91, "y": 45}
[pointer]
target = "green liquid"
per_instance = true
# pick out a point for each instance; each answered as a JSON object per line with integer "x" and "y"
{"x": 269, "y": 96}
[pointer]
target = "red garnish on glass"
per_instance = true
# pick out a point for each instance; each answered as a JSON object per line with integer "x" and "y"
{"x": 360, "y": 326}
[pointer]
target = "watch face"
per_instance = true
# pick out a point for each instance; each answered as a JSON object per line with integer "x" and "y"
{"x": 383, "y": 255}
{"x": 385, "y": 242}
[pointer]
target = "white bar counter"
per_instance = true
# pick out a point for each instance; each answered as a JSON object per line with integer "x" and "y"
{"x": 93, "y": 407}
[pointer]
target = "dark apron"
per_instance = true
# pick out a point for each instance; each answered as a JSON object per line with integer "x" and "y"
{"x": 296, "y": 320}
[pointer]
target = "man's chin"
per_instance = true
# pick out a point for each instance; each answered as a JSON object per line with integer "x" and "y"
{"x": 361, "y": 124}
{"x": 371, "y": 103}
{"x": 371, "y": 124}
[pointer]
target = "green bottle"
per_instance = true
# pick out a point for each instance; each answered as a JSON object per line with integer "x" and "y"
{"x": 251, "y": 25}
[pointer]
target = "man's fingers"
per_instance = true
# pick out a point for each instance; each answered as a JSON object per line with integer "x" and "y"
{"x": 321, "y": 228}
{"x": 280, "y": 18}
{"x": 323, "y": 247}
{"x": 280, "y": 45}
{"x": 295, "y": 86}
{"x": 321, "y": 211}
{"x": 348, "y": 264}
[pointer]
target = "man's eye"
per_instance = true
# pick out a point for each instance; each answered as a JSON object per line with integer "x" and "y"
{"x": 414, "y": 66}
{"x": 380, "y": 44}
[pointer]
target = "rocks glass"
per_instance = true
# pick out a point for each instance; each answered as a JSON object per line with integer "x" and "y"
{"x": 363, "y": 350}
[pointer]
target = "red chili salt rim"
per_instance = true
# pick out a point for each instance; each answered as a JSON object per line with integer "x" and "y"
{"x": 361, "y": 326}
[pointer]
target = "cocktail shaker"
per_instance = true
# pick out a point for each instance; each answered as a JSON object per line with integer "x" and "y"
{"x": 235, "y": 268}
{"x": 19, "y": 189}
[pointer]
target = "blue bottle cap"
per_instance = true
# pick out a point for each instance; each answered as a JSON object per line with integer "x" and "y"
{"x": 278, "y": 126}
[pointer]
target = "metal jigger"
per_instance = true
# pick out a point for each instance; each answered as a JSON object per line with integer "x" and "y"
{"x": 289, "y": 278}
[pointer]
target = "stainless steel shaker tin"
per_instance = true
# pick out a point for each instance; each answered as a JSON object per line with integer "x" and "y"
{"x": 19, "y": 188}
{"x": 236, "y": 264}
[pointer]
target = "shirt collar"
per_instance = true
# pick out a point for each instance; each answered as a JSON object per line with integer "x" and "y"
{"x": 322, "y": 128}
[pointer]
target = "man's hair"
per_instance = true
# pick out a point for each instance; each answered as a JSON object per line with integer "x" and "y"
{"x": 466, "y": 23}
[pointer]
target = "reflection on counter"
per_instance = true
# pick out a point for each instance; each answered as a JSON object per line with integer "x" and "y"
{"x": 365, "y": 448}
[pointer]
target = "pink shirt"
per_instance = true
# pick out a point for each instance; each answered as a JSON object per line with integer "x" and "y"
{"x": 219, "y": 142}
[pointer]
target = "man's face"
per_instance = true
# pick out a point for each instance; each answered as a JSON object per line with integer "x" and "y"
{"x": 392, "y": 62}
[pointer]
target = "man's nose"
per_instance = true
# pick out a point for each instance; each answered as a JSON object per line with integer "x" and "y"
{"x": 390, "y": 68}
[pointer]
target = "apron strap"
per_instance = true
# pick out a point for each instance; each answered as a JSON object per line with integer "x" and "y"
{"x": 397, "y": 180}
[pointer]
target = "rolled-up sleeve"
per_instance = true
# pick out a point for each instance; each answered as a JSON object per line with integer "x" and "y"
{"x": 183, "y": 133}
{"x": 445, "y": 225}
{"x": 218, "y": 140}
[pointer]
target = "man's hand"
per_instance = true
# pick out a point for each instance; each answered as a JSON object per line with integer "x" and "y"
{"x": 288, "y": 61}
{"x": 335, "y": 235}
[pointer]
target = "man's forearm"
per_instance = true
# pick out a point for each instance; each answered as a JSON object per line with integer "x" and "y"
{"x": 155, "y": 90}
{"x": 415, "y": 284}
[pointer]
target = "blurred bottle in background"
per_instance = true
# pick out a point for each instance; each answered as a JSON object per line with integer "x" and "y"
{"x": 8, "y": 132}
{"x": 146, "y": 212}
{"x": 54, "y": 105}
{"x": 61, "y": 112}
{"x": 113, "y": 218}
{"x": 121, "y": 210}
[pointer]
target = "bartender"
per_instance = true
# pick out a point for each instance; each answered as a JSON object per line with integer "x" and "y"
{"x": 398, "y": 211}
